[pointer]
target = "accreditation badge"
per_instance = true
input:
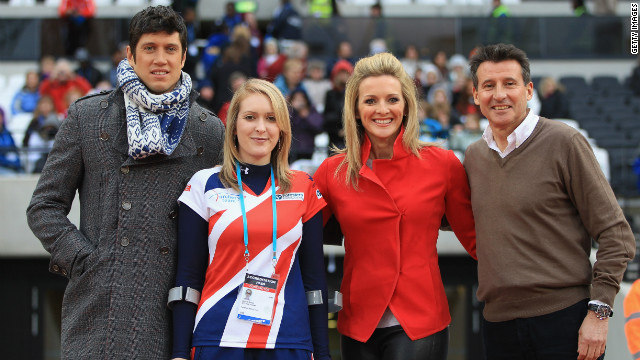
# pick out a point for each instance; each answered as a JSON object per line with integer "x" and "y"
{"x": 257, "y": 297}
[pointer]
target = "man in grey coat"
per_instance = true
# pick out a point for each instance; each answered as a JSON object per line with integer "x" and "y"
{"x": 129, "y": 154}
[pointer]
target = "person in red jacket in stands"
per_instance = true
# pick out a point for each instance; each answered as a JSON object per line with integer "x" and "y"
{"x": 76, "y": 16}
{"x": 62, "y": 81}
{"x": 388, "y": 192}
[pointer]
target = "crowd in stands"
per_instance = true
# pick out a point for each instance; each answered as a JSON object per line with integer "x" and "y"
{"x": 238, "y": 49}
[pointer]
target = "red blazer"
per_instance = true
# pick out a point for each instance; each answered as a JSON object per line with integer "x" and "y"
{"x": 390, "y": 229}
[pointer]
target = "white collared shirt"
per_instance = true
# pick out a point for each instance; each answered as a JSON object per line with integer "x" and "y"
{"x": 516, "y": 138}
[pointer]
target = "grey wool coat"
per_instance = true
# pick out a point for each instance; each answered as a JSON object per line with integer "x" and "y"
{"x": 121, "y": 261}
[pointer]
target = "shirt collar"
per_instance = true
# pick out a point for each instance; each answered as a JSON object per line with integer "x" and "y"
{"x": 398, "y": 147}
{"x": 516, "y": 138}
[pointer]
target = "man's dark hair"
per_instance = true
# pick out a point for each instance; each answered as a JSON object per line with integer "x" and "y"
{"x": 156, "y": 19}
{"x": 497, "y": 53}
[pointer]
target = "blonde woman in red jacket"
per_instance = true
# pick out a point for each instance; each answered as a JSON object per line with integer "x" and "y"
{"x": 388, "y": 193}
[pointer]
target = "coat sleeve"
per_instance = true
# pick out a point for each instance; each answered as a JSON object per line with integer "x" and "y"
{"x": 52, "y": 199}
{"x": 458, "y": 205}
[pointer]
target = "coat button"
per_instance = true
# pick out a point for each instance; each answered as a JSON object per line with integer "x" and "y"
{"x": 64, "y": 272}
{"x": 124, "y": 241}
{"x": 173, "y": 214}
{"x": 164, "y": 250}
{"x": 200, "y": 150}
{"x": 104, "y": 104}
{"x": 124, "y": 170}
{"x": 55, "y": 268}
{"x": 203, "y": 116}
{"x": 126, "y": 205}
{"x": 104, "y": 136}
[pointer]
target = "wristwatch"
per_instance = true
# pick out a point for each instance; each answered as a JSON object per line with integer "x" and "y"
{"x": 603, "y": 311}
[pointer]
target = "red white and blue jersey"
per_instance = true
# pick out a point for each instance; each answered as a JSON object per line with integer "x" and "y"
{"x": 216, "y": 322}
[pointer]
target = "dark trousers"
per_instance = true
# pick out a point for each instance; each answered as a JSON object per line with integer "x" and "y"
{"x": 547, "y": 337}
{"x": 392, "y": 343}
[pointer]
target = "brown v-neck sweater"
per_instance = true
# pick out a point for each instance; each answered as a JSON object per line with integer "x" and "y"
{"x": 536, "y": 211}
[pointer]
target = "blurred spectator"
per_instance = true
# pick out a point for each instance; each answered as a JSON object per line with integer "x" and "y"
{"x": 61, "y": 81}
{"x": 193, "y": 54}
{"x": 117, "y": 55}
{"x": 579, "y": 8}
{"x": 291, "y": 77}
{"x": 463, "y": 102}
{"x": 440, "y": 61}
{"x": 25, "y": 100}
{"x": 9, "y": 159}
{"x": 317, "y": 84}
{"x": 235, "y": 57}
{"x": 344, "y": 51}
{"x": 231, "y": 18}
{"x": 460, "y": 139}
{"x": 377, "y": 28}
{"x": 553, "y": 102}
{"x": 334, "y": 103}
{"x": 411, "y": 61}
{"x": 298, "y": 50}
{"x": 76, "y": 16}
{"x": 306, "y": 123}
{"x": 323, "y": 8}
{"x": 271, "y": 62}
{"x": 46, "y": 65}
{"x": 86, "y": 68}
{"x": 286, "y": 23}
{"x": 499, "y": 10}
{"x": 429, "y": 77}
{"x": 440, "y": 99}
{"x": 256, "y": 34}
{"x": 217, "y": 41}
{"x": 431, "y": 130}
{"x": 235, "y": 81}
{"x": 38, "y": 138}
{"x": 70, "y": 97}
{"x": 458, "y": 71}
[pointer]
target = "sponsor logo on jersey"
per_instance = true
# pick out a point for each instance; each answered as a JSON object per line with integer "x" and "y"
{"x": 188, "y": 188}
{"x": 225, "y": 197}
{"x": 318, "y": 194}
{"x": 299, "y": 196}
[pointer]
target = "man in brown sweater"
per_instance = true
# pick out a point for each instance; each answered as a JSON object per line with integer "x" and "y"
{"x": 539, "y": 197}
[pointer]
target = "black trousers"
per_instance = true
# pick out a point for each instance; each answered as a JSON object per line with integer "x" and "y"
{"x": 547, "y": 337}
{"x": 392, "y": 343}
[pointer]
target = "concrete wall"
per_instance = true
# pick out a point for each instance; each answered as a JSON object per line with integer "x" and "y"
{"x": 16, "y": 239}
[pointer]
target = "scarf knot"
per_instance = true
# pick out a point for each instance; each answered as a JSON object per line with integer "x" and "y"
{"x": 155, "y": 122}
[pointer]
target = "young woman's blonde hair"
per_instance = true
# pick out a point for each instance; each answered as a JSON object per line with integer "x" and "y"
{"x": 279, "y": 155}
{"x": 376, "y": 65}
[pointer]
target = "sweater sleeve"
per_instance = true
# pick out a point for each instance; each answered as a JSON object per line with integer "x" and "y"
{"x": 602, "y": 217}
{"x": 192, "y": 264}
{"x": 314, "y": 278}
{"x": 458, "y": 211}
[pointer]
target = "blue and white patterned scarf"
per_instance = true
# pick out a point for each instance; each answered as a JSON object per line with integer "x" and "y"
{"x": 155, "y": 123}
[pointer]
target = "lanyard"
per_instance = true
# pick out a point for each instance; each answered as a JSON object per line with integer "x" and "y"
{"x": 244, "y": 217}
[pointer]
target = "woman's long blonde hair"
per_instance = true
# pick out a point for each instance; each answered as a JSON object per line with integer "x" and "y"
{"x": 279, "y": 155}
{"x": 376, "y": 65}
